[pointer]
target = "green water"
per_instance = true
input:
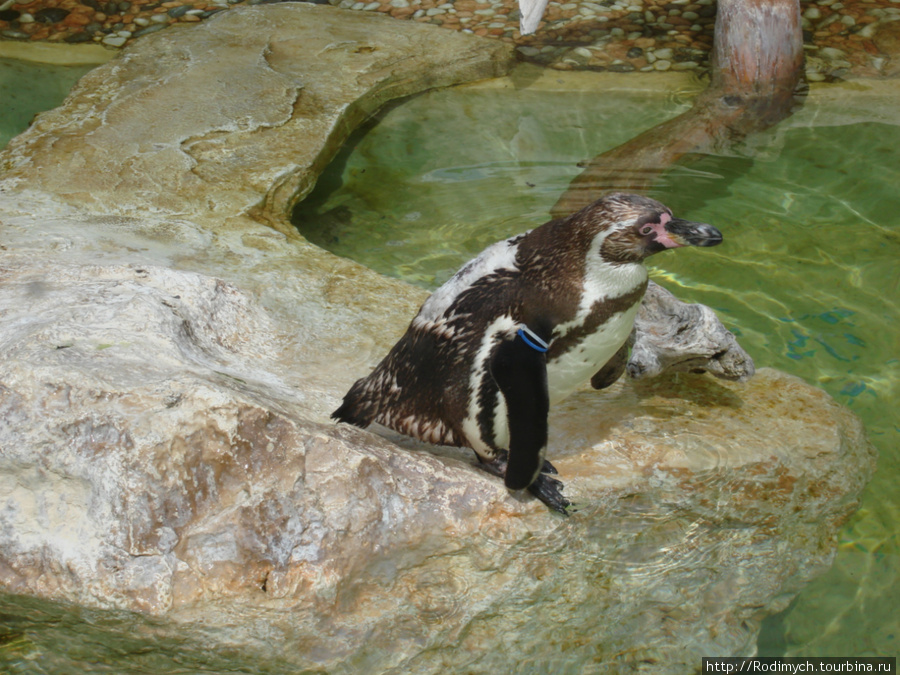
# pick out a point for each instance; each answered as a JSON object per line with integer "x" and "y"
{"x": 38, "y": 637}
{"x": 29, "y": 88}
{"x": 807, "y": 277}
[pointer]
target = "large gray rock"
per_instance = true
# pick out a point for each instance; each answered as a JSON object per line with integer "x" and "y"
{"x": 170, "y": 351}
{"x": 155, "y": 458}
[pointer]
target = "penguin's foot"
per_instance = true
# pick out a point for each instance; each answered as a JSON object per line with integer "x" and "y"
{"x": 545, "y": 487}
{"x": 548, "y": 490}
{"x": 496, "y": 466}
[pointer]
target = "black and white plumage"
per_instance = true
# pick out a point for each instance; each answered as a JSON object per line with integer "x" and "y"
{"x": 522, "y": 326}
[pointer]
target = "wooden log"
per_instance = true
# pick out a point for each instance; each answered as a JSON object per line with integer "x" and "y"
{"x": 757, "y": 65}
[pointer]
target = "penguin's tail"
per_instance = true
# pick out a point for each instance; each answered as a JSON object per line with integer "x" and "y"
{"x": 348, "y": 414}
{"x": 355, "y": 409}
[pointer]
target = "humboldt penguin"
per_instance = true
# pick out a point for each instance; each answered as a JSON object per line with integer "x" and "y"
{"x": 518, "y": 328}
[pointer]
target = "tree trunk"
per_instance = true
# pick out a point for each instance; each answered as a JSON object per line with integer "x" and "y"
{"x": 757, "y": 64}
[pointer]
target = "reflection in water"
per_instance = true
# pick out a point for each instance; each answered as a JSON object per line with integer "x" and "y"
{"x": 807, "y": 278}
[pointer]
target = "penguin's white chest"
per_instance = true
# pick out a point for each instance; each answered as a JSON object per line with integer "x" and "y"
{"x": 575, "y": 367}
{"x": 570, "y": 370}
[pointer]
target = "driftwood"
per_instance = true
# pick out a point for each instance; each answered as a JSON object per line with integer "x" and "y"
{"x": 671, "y": 335}
{"x": 757, "y": 63}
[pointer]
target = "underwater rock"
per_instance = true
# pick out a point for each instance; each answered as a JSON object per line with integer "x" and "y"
{"x": 171, "y": 349}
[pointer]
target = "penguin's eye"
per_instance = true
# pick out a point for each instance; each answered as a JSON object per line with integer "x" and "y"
{"x": 646, "y": 229}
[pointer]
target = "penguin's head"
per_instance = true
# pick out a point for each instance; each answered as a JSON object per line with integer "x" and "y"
{"x": 637, "y": 227}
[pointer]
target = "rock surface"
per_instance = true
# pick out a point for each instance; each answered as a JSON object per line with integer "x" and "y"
{"x": 673, "y": 336}
{"x": 170, "y": 351}
{"x": 140, "y": 143}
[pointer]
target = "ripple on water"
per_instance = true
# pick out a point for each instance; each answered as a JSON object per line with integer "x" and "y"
{"x": 439, "y": 595}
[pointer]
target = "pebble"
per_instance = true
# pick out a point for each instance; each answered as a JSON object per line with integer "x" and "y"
{"x": 832, "y": 53}
{"x": 149, "y": 29}
{"x": 51, "y": 15}
{"x": 114, "y": 40}
{"x": 176, "y": 12}
{"x": 662, "y": 64}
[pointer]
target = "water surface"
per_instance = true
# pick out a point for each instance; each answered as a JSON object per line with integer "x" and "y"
{"x": 28, "y": 88}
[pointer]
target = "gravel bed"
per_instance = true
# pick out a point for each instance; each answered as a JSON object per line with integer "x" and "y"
{"x": 842, "y": 39}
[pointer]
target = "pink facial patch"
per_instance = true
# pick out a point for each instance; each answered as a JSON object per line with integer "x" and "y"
{"x": 662, "y": 236}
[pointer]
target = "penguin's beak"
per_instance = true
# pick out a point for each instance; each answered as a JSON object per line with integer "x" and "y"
{"x": 686, "y": 233}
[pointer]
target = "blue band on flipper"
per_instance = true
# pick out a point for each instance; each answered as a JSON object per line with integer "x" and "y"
{"x": 533, "y": 340}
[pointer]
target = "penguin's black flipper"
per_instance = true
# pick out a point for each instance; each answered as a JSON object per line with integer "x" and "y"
{"x": 520, "y": 372}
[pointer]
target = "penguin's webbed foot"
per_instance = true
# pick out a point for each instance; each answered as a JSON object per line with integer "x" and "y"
{"x": 545, "y": 487}
{"x": 549, "y": 490}
{"x": 496, "y": 466}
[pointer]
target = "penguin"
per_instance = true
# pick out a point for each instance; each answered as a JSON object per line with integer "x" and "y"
{"x": 517, "y": 329}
